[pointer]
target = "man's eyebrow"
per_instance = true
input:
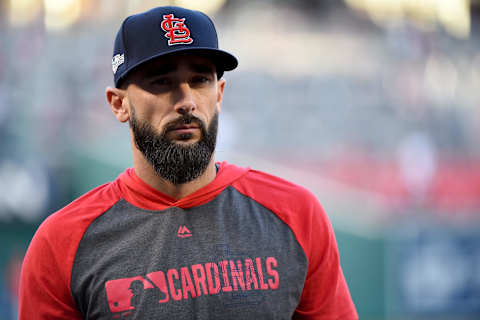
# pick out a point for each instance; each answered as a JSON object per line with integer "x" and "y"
{"x": 202, "y": 68}
{"x": 161, "y": 70}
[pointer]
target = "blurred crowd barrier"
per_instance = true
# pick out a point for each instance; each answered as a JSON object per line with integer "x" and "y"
{"x": 372, "y": 105}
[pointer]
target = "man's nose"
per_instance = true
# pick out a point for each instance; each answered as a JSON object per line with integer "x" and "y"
{"x": 185, "y": 103}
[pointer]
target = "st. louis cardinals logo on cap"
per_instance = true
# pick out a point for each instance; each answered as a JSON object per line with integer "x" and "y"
{"x": 176, "y": 30}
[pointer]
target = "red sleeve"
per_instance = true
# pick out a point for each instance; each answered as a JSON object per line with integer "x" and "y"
{"x": 325, "y": 294}
{"x": 45, "y": 279}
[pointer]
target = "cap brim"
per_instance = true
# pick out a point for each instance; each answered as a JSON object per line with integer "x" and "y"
{"x": 222, "y": 59}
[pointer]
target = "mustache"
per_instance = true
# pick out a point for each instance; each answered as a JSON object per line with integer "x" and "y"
{"x": 185, "y": 119}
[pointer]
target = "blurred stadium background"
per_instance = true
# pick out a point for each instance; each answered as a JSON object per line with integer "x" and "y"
{"x": 371, "y": 104}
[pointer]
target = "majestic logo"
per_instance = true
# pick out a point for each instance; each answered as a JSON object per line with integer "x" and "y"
{"x": 176, "y": 30}
{"x": 117, "y": 60}
{"x": 183, "y": 232}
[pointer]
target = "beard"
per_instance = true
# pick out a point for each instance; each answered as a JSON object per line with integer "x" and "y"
{"x": 174, "y": 162}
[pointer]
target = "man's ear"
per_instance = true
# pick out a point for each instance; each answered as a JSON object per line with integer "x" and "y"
{"x": 116, "y": 99}
{"x": 220, "y": 89}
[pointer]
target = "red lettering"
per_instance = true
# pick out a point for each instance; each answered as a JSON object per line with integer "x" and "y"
{"x": 226, "y": 282}
{"x": 176, "y": 293}
{"x": 187, "y": 284}
{"x": 250, "y": 275}
{"x": 272, "y": 262}
{"x": 199, "y": 279}
{"x": 124, "y": 295}
{"x": 158, "y": 278}
{"x": 237, "y": 275}
{"x": 263, "y": 285}
{"x": 212, "y": 289}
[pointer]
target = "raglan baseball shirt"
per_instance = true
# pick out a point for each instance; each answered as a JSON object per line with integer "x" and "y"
{"x": 246, "y": 246}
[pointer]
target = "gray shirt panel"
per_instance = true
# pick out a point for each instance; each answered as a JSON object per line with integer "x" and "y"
{"x": 121, "y": 249}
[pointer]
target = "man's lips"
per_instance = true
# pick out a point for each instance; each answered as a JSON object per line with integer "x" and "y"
{"x": 184, "y": 128}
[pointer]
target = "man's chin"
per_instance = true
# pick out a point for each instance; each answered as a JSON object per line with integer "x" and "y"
{"x": 184, "y": 144}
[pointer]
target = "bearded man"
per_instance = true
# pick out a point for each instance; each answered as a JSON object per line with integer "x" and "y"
{"x": 205, "y": 239}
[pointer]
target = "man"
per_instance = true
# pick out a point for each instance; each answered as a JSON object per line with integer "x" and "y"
{"x": 218, "y": 241}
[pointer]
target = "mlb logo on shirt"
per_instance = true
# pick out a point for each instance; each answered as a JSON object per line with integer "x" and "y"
{"x": 124, "y": 295}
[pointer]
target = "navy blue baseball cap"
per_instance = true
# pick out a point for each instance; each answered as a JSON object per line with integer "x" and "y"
{"x": 163, "y": 31}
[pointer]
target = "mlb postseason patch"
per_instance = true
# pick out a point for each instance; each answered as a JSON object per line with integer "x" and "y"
{"x": 117, "y": 61}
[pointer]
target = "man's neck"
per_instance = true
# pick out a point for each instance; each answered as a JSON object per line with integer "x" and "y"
{"x": 146, "y": 173}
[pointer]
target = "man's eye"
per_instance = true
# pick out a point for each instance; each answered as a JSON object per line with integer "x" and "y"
{"x": 200, "y": 79}
{"x": 160, "y": 82}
